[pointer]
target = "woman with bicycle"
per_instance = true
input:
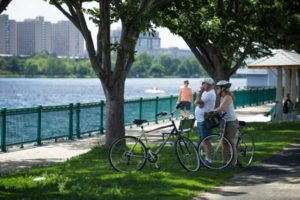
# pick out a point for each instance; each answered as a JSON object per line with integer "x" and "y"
{"x": 232, "y": 124}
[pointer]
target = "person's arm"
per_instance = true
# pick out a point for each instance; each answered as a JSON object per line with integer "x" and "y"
{"x": 179, "y": 96}
{"x": 227, "y": 101}
{"x": 199, "y": 101}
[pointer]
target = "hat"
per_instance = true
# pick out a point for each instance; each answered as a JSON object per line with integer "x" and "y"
{"x": 209, "y": 81}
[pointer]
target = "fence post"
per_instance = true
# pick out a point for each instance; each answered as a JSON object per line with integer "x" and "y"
{"x": 70, "y": 137}
{"x": 156, "y": 109}
{"x": 101, "y": 116}
{"x": 257, "y": 96}
{"x": 141, "y": 108}
{"x": 3, "y": 132}
{"x": 78, "y": 120}
{"x": 171, "y": 102}
{"x": 39, "y": 127}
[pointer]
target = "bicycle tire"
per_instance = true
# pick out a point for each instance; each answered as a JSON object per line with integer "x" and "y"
{"x": 127, "y": 154}
{"x": 245, "y": 149}
{"x": 187, "y": 154}
{"x": 218, "y": 160}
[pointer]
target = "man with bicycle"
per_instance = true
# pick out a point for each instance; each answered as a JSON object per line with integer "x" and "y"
{"x": 205, "y": 102}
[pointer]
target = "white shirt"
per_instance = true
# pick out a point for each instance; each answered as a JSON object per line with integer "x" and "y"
{"x": 209, "y": 99}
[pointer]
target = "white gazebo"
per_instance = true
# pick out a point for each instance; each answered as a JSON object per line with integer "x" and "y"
{"x": 282, "y": 60}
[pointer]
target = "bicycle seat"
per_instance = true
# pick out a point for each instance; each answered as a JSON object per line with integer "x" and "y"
{"x": 139, "y": 121}
{"x": 242, "y": 123}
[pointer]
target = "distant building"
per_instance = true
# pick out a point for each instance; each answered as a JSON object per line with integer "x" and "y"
{"x": 37, "y": 35}
{"x": 150, "y": 43}
{"x": 146, "y": 41}
{"x": 259, "y": 78}
{"x": 173, "y": 52}
{"x": 26, "y": 37}
{"x": 76, "y": 42}
{"x": 61, "y": 38}
{"x": 13, "y": 37}
{"x": 8, "y": 35}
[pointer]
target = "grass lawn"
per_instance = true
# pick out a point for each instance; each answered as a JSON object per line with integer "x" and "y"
{"x": 91, "y": 177}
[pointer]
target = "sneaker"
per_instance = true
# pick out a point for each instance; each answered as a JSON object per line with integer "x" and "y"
{"x": 208, "y": 162}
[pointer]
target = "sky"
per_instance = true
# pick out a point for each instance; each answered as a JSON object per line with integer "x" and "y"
{"x": 27, "y": 9}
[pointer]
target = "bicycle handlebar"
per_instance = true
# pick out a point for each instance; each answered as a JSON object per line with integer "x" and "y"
{"x": 161, "y": 114}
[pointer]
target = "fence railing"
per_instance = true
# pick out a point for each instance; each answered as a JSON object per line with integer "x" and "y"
{"x": 34, "y": 125}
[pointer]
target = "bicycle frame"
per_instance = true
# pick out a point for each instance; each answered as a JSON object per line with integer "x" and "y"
{"x": 174, "y": 131}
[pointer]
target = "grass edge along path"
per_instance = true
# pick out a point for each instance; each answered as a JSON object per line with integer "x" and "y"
{"x": 90, "y": 176}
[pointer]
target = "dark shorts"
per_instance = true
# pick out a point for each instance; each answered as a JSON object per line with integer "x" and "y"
{"x": 186, "y": 105}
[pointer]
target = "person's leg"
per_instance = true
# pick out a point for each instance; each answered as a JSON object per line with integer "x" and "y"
{"x": 204, "y": 132}
{"x": 187, "y": 109}
{"x": 231, "y": 133}
{"x": 182, "y": 106}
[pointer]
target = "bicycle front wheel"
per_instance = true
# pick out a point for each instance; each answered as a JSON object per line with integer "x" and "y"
{"x": 215, "y": 152}
{"x": 127, "y": 154}
{"x": 187, "y": 154}
{"x": 245, "y": 149}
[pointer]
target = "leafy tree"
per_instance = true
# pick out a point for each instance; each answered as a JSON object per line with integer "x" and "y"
{"x": 3, "y": 5}
{"x": 141, "y": 66}
{"x": 222, "y": 33}
{"x": 2, "y": 64}
{"x": 157, "y": 70}
{"x": 14, "y": 66}
{"x": 135, "y": 17}
{"x": 170, "y": 65}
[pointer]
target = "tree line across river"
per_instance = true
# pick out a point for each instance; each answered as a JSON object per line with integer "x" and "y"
{"x": 144, "y": 66}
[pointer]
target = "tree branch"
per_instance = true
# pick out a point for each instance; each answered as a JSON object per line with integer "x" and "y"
{"x": 3, "y": 5}
{"x": 201, "y": 56}
{"x": 105, "y": 26}
{"x": 77, "y": 18}
{"x": 242, "y": 57}
{"x": 160, "y": 3}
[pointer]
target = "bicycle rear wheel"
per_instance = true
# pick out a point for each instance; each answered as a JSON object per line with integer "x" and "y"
{"x": 215, "y": 152}
{"x": 245, "y": 149}
{"x": 187, "y": 154}
{"x": 127, "y": 154}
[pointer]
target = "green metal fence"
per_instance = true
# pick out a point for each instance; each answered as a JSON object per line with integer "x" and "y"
{"x": 35, "y": 125}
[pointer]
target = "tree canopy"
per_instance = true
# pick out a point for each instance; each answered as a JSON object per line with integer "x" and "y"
{"x": 222, "y": 33}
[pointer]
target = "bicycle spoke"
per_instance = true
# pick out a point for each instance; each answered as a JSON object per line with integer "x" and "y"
{"x": 245, "y": 149}
{"x": 187, "y": 154}
{"x": 215, "y": 152}
{"x": 127, "y": 154}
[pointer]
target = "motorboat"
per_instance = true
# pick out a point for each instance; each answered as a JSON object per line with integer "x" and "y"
{"x": 154, "y": 90}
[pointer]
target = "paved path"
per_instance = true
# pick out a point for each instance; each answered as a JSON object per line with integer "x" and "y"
{"x": 16, "y": 159}
{"x": 275, "y": 178}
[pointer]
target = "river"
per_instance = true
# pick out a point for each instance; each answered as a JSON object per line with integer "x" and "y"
{"x": 30, "y": 92}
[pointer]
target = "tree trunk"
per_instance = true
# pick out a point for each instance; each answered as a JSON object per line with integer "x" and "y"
{"x": 298, "y": 73}
{"x": 114, "y": 110}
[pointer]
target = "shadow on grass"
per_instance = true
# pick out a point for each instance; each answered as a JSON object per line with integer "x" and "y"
{"x": 91, "y": 177}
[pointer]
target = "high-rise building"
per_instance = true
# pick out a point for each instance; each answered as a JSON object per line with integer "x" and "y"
{"x": 145, "y": 42}
{"x": 76, "y": 44}
{"x": 61, "y": 38}
{"x": 13, "y": 37}
{"x": 26, "y": 37}
{"x": 48, "y": 38}
{"x": 4, "y": 40}
{"x": 36, "y": 35}
{"x": 67, "y": 40}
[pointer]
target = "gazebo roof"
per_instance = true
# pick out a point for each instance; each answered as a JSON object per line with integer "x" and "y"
{"x": 281, "y": 59}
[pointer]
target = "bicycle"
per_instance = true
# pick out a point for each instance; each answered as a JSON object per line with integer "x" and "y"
{"x": 245, "y": 147}
{"x": 216, "y": 151}
{"x": 130, "y": 153}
